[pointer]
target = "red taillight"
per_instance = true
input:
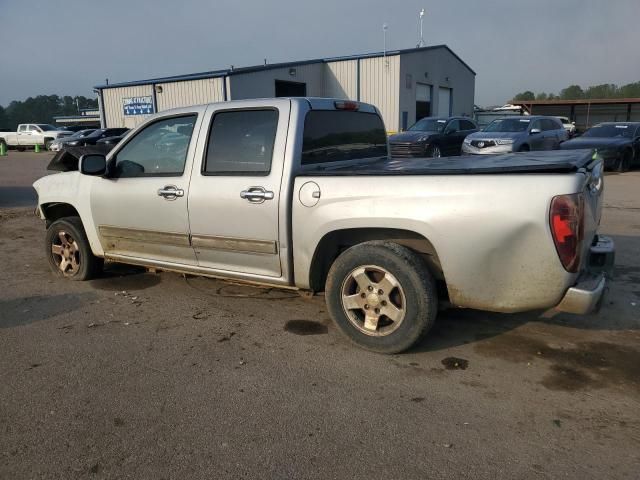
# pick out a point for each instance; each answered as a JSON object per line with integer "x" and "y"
{"x": 566, "y": 219}
{"x": 346, "y": 105}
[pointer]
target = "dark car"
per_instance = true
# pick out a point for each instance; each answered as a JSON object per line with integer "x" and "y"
{"x": 97, "y": 135}
{"x": 109, "y": 142}
{"x": 432, "y": 137}
{"x": 618, "y": 143}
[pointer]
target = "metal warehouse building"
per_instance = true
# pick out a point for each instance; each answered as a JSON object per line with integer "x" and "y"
{"x": 405, "y": 85}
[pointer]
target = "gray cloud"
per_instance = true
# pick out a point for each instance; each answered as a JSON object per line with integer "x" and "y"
{"x": 68, "y": 46}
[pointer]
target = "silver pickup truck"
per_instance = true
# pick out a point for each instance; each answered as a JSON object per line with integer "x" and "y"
{"x": 300, "y": 193}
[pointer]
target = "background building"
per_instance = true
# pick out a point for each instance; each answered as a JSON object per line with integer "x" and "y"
{"x": 586, "y": 112}
{"x": 405, "y": 85}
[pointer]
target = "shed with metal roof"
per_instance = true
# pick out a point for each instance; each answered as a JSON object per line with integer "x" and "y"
{"x": 405, "y": 85}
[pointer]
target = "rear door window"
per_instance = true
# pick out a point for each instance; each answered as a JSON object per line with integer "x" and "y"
{"x": 454, "y": 126}
{"x": 241, "y": 142}
{"x": 467, "y": 125}
{"x": 338, "y": 135}
{"x": 548, "y": 124}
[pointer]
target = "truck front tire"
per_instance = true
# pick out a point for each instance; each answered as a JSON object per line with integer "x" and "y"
{"x": 68, "y": 250}
{"x": 382, "y": 296}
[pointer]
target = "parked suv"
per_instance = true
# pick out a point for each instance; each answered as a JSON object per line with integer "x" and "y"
{"x": 432, "y": 137}
{"x": 519, "y": 134}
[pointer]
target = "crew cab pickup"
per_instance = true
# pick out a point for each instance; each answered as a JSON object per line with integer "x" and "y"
{"x": 30, "y": 134}
{"x": 300, "y": 193}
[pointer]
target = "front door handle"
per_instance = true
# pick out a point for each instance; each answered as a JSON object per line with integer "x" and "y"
{"x": 170, "y": 192}
{"x": 256, "y": 194}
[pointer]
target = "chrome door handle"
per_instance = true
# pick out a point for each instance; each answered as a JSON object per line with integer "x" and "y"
{"x": 170, "y": 192}
{"x": 256, "y": 194}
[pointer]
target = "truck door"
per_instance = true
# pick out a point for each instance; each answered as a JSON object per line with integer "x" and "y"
{"x": 536, "y": 140}
{"x": 234, "y": 198}
{"x": 24, "y": 134}
{"x": 140, "y": 211}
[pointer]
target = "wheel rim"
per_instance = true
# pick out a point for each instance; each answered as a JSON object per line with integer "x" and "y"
{"x": 436, "y": 152}
{"x": 66, "y": 253}
{"x": 373, "y": 300}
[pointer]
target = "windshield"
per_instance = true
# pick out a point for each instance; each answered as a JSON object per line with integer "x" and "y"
{"x": 45, "y": 127}
{"x": 610, "y": 131}
{"x": 428, "y": 125}
{"x": 508, "y": 125}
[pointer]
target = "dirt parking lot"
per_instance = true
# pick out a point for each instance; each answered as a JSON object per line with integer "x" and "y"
{"x": 139, "y": 375}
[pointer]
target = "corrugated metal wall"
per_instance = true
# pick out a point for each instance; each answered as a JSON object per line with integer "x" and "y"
{"x": 113, "y": 106}
{"x": 188, "y": 93}
{"x": 379, "y": 84}
{"x": 261, "y": 84}
{"x": 341, "y": 79}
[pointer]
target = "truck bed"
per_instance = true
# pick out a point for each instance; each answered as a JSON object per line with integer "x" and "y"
{"x": 556, "y": 161}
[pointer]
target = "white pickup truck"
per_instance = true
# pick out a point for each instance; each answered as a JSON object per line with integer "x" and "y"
{"x": 31, "y": 134}
{"x": 300, "y": 193}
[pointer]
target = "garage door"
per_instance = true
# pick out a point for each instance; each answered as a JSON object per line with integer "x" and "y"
{"x": 444, "y": 102}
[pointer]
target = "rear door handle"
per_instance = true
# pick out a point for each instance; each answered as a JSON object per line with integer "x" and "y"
{"x": 170, "y": 192}
{"x": 256, "y": 194}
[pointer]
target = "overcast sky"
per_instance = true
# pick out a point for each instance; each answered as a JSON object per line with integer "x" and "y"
{"x": 68, "y": 46}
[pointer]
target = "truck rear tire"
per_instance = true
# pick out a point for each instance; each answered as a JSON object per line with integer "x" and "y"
{"x": 68, "y": 250}
{"x": 382, "y": 296}
{"x": 47, "y": 144}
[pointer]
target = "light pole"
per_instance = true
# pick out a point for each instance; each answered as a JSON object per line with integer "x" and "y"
{"x": 385, "y": 27}
{"x": 420, "y": 20}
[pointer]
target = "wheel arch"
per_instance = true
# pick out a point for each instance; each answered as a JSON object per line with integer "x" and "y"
{"x": 332, "y": 244}
{"x": 56, "y": 210}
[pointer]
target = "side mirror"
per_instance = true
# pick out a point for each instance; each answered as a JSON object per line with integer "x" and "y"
{"x": 534, "y": 131}
{"x": 93, "y": 164}
{"x": 450, "y": 132}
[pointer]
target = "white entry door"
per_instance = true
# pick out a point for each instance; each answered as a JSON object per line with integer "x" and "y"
{"x": 444, "y": 102}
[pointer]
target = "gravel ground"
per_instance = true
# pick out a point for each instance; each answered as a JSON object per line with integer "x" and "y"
{"x": 139, "y": 375}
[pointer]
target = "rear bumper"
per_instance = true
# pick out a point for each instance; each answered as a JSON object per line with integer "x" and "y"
{"x": 586, "y": 295}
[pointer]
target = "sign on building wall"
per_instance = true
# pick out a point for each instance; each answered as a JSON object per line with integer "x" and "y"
{"x": 138, "y": 105}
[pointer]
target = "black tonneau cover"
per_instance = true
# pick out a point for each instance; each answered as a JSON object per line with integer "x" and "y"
{"x": 556, "y": 161}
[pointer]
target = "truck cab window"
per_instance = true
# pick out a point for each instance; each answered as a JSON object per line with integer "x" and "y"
{"x": 335, "y": 135}
{"x": 241, "y": 142}
{"x": 158, "y": 150}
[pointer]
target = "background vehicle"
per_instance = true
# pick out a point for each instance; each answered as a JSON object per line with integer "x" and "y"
{"x": 56, "y": 145}
{"x": 618, "y": 143}
{"x": 30, "y": 134}
{"x": 568, "y": 125}
{"x": 98, "y": 134}
{"x": 109, "y": 142}
{"x": 77, "y": 128}
{"x": 432, "y": 137}
{"x": 516, "y": 134}
{"x": 300, "y": 193}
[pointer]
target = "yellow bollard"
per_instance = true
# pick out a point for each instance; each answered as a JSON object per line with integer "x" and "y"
{"x": 37, "y": 148}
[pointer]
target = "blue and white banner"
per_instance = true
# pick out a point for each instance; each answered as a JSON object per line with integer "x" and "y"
{"x": 138, "y": 105}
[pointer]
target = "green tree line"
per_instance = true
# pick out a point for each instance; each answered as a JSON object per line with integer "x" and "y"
{"x": 42, "y": 109}
{"x": 576, "y": 92}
